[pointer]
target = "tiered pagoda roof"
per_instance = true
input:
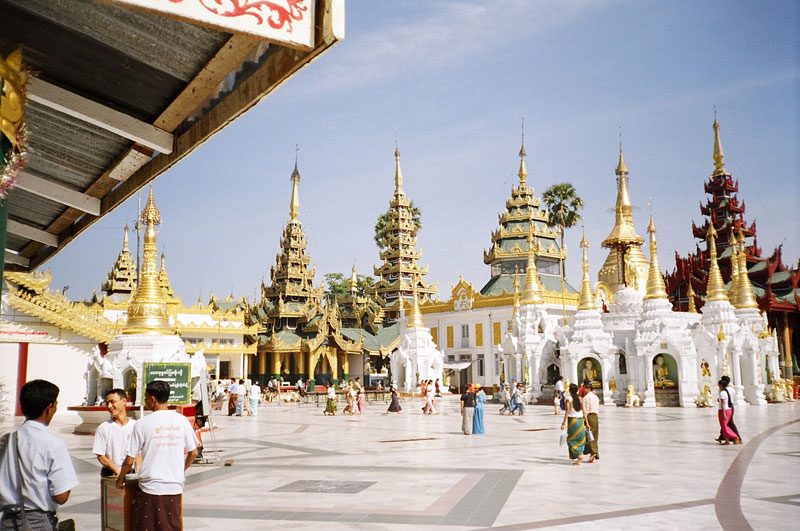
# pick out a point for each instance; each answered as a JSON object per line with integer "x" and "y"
{"x": 508, "y": 255}
{"x": 774, "y": 285}
{"x": 163, "y": 278}
{"x": 122, "y": 277}
{"x": 400, "y": 274}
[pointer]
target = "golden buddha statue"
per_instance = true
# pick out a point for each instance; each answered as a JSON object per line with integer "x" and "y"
{"x": 661, "y": 374}
{"x": 706, "y": 371}
{"x": 612, "y": 384}
{"x": 589, "y": 372}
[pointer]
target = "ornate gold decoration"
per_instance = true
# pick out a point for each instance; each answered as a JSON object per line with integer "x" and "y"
{"x": 626, "y": 262}
{"x": 163, "y": 278}
{"x": 656, "y": 289}
{"x": 415, "y": 317}
{"x": 715, "y": 290}
{"x": 719, "y": 163}
{"x": 532, "y": 293}
{"x": 294, "y": 205}
{"x": 147, "y": 313}
{"x": 12, "y": 96}
{"x": 733, "y": 292}
{"x": 691, "y": 295}
{"x": 122, "y": 277}
{"x": 746, "y": 298}
{"x": 586, "y": 296}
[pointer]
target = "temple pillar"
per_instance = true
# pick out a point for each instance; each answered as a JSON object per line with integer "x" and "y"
{"x": 301, "y": 362}
{"x": 22, "y": 375}
{"x": 276, "y": 366}
{"x": 345, "y": 366}
{"x": 787, "y": 348}
{"x": 262, "y": 363}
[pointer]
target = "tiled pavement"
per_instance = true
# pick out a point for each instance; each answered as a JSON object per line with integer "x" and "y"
{"x": 294, "y": 468}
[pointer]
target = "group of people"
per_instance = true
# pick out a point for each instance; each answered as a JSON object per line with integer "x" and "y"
{"x": 430, "y": 392}
{"x": 580, "y": 427}
{"x": 472, "y": 410}
{"x": 37, "y": 475}
{"x": 513, "y": 398}
{"x": 243, "y": 400}
{"x": 356, "y": 397}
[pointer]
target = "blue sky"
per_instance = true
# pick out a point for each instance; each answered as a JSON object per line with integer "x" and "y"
{"x": 450, "y": 81}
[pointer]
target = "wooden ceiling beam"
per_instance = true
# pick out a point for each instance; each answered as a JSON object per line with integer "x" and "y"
{"x": 14, "y": 258}
{"x": 32, "y": 233}
{"x": 59, "y": 194}
{"x": 97, "y": 114}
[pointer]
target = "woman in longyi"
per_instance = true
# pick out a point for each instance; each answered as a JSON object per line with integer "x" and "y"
{"x": 573, "y": 422}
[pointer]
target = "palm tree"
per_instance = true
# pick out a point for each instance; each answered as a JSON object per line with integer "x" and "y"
{"x": 382, "y": 224}
{"x": 563, "y": 205}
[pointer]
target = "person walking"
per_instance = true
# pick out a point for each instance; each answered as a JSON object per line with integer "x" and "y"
{"x": 518, "y": 402}
{"x": 732, "y": 425}
{"x": 477, "y": 416}
{"x": 394, "y": 405}
{"x": 506, "y": 394}
{"x": 430, "y": 400}
{"x": 111, "y": 437}
{"x": 467, "y": 409}
{"x": 233, "y": 396}
{"x": 362, "y": 401}
{"x": 558, "y": 399}
{"x": 255, "y": 398}
{"x": 168, "y": 447}
{"x": 350, "y": 396}
{"x": 724, "y": 403}
{"x": 591, "y": 406}
{"x": 330, "y": 401}
{"x": 241, "y": 396}
{"x": 573, "y": 423}
{"x": 36, "y": 473}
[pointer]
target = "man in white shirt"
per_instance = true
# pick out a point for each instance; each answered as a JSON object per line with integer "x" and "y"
{"x": 559, "y": 398}
{"x": 255, "y": 398}
{"x": 241, "y": 391}
{"x": 40, "y": 458}
{"x": 591, "y": 407}
{"x": 111, "y": 438}
{"x": 300, "y": 387}
{"x": 162, "y": 438}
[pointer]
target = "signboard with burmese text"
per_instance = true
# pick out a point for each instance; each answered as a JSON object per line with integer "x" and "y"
{"x": 288, "y": 22}
{"x": 177, "y": 375}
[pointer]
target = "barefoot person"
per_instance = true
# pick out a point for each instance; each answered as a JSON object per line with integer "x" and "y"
{"x": 168, "y": 446}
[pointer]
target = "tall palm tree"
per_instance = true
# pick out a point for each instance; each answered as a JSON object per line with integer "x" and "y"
{"x": 382, "y": 224}
{"x": 563, "y": 205}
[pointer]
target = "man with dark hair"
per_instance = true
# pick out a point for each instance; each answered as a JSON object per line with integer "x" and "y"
{"x": 162, "y": 438}
{"x": 111, "y": 438}
{"x": 36, "y": 474}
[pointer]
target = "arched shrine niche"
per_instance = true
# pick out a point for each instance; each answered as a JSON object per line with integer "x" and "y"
{"x": 553, "y": 373}
{"x": 590, "y": 369}
{"x": 665, "y": 380}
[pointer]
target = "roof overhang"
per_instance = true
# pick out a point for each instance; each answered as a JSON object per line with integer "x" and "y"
{"x": 121, "y": 94}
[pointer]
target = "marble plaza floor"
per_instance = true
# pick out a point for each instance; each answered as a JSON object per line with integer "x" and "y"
{"x": 294, "y": 468}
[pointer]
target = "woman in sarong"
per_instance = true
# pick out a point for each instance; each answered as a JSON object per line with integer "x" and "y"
{"x": 362, "y": 401}
{"x": 330, "y": 403}
{"x": 724, "y": 404}
{"x": 394, "y": 406}
{"x": 477, "y": 417}
{"x": 430, "y": 405}
{"x": 573, "y": 422}
{"x": 232, "y": 397}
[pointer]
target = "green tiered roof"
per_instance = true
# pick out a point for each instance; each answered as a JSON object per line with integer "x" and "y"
{"x": 508, "y": 255}
{"x": 122, "y": 277}
{"x": 400, "y": 274}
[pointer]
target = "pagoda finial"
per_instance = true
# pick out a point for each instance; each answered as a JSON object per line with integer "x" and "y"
{"x": 398, "y": 173}
{"x": 147, "y": 313}
{"x": 746, "y": 298}
{"x": 586, "y": 301}
{"x": 690, "y": 294}
{"x": 415, "y": 318}
{"x": 125, "y": 240}
{"x": 715, "y": 288}
{"x": 623, "y": 232}
{"x": 719, "y": 163}
{"x": 622, "y": 169}
{"x": 515, "y": 285}
{"x": 294, "y": 205}
{"x": 531, "y": 294}
{"x": 656, "y": 289}
{"x": 523, "y": 172}
{"x": 353, "y": 281}
{"x": 733, "y": 292}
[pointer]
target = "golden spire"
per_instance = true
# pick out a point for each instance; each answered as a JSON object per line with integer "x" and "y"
{"x": 125, "y": 241}
{"x": 715, "y": 288}
{"x": 586, "y": 298}
{"x": 523, "y": 172}
{"x": 746, "y": 298}
{"x": 294, "y": 206}
{"x": 719, "y": 163}
{"x": 398, "y": 173}
{"x": 623, "y": 231}
{"x": 532, "y": 293}
{"x": 691, "y": 294}
{"x": 122, "y": 277}
{"x": 147, "y": 313}
{"x": 656, "y": 289}
{"x": 733, "y": 292}
{"x": 515, "y": 309}
{"x": 163, "y": 278}
{"x": 415, "y": 318}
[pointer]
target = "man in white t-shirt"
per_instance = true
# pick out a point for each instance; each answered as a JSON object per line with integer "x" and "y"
{"x": 241, "y": 392}
{"x": 168, "y": 446}
{"x": 255, "y": 397}
{"x": 111, "y": 438}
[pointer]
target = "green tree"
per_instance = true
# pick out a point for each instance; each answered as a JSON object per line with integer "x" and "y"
{"x": 382, "y": 225}
{"x": 337, "y": 285}
{"x": 563, "y": 205}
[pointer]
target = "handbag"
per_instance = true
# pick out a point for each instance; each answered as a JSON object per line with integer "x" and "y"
{"x": 563, "y": 440}
{"x": 589, "y": 435}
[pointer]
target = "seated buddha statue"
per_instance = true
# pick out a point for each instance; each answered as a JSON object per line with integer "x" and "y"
{"x": 589, "y": 373}
{"x": 661, "y": 374}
